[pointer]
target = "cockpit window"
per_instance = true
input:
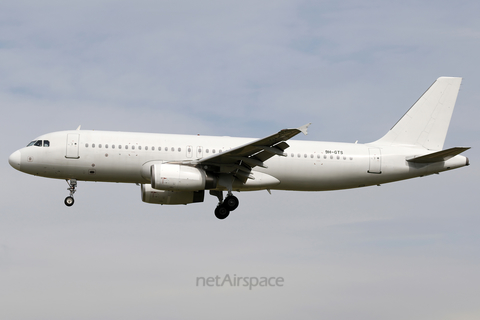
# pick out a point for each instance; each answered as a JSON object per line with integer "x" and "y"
{"x": 39, "y": 143}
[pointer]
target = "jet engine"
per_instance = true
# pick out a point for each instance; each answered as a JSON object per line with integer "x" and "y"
{"x": 177, "y": 177}
{"x": 150, "y": 195}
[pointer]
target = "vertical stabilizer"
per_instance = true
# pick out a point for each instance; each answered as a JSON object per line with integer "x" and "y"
{"x": 426, "y": 123}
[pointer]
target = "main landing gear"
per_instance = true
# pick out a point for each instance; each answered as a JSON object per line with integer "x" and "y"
{"x": 72, "y": 184}
{"x": 224, "y": 206}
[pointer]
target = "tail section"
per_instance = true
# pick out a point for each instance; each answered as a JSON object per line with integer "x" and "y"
{"x": 426, "y": 123}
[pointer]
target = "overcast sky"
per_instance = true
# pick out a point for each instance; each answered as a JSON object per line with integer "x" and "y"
{"x": 407, "y": 250}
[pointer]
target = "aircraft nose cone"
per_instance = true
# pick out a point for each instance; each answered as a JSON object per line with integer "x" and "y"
{"x": 14, "y": 160}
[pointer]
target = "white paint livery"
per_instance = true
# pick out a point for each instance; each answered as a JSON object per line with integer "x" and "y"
{"x": 177, "y": 169}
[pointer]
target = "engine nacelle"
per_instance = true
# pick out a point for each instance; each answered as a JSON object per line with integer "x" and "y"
{"x": 167, "y": 176}
{"x": 151, "y": 195}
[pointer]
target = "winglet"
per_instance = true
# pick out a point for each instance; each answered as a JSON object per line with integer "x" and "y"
{"x": 304, "y": 128}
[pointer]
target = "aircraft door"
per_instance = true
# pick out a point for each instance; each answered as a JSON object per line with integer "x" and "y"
{"x": 375, "y": 160}
{"x": 72, "y": 146}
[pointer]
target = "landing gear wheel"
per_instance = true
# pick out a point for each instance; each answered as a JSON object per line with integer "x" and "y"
{"x": 231, "y": 202}
{"x": 69, "y": 201}
{"x": 72, "y": 184}
{"x": 221, "y": 212}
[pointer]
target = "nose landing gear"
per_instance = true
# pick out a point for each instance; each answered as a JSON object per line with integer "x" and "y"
{"x": 72, "y": 184}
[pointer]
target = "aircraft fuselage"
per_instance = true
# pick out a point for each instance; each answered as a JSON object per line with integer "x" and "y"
{"x": 306, "y": 165}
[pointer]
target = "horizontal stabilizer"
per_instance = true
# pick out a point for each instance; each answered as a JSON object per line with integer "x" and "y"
{"x": 439, "y": 156}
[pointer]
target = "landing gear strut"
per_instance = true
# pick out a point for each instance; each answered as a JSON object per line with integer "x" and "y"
{"x": 72, "y": 184}
{"x": 224, "y": 206}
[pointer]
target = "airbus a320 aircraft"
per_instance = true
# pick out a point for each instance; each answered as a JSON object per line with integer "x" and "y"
{"x": 178, "y": 169}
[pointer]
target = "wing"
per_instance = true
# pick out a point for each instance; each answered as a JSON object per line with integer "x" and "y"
{"x": 239, "y": 161}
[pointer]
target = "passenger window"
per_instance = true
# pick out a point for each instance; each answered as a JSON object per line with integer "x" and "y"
{"x": 86, "y": 145}
{"x": 93, "y": 145}
{"x": 139, "y": 147}
{"x": 113, "y": 146}
{"x": 305, "y": 155}
{"x": 292, "y": 155}
{"x": 146, "y": 148}
{"x": 207, "y": 151}
{"x": 100, "y": 145}
{"x": 213, "y": 151}
{"x": 133, "y": 147}
{"x": 331, "y": 157}
{"x": 126, "y": 147}
{"x": 38, "y": 143}
{"x": 179, "y": 149}
{"x": 159, "y": 148}
{"x": 46, "y": 143}
{"x": 106, "y": 146}
{"x": 172, "y": 149}
{"x": 318, "y": 156}
{"x": 299, "y": 155}
{"x": 119, "y": 146}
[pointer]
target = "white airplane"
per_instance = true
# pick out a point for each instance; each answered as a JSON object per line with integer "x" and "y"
{"x": 177, "y": 169}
